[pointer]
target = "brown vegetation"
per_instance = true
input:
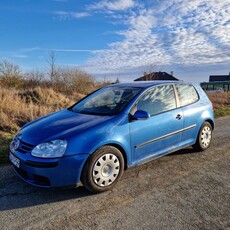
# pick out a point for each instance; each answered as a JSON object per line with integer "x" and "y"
{"x": 219, "y": 99}
{"x": 21, "y": 106}
{"x": 221, "y": 103}
{"x": 25, "y": 97}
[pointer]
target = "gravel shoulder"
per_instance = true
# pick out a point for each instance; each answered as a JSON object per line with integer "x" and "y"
{"x": 184, "y": 190}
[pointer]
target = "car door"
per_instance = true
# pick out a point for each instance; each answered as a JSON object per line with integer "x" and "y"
{"x": 161, "y": 132}
{"x": 192, "y": 109}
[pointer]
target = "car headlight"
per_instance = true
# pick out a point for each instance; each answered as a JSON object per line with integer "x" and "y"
{"x": 51, "y": 149}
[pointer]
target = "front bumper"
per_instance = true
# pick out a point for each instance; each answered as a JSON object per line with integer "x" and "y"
{"x": 57, "y": 172}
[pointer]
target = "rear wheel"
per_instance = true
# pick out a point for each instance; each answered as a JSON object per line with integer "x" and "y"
{"x": 204, "y": 137}
{"x": 103, "y": 169}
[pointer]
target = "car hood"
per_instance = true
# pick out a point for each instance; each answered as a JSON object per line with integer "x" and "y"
{"x": 59, "y": 125}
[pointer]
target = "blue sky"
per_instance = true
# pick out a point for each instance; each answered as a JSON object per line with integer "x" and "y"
{"x": 121, "y": 38}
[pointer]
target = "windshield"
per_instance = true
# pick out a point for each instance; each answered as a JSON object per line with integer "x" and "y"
{"x": 107, "y": 101}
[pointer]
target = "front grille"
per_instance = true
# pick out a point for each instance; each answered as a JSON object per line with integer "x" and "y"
{"x": 21, "y": 146}
{"x": 25, "y": 147}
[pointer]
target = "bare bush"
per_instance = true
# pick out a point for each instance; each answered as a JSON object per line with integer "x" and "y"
{"x": 10, "y": 74}
{"x": 72, "y": 80}
{"x": 8, "y": 69}
{"x": 35, "y": 76}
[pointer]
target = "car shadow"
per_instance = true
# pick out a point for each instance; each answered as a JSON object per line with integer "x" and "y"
{"x": 16, "y": 194}
{"x": 188, "y": 150}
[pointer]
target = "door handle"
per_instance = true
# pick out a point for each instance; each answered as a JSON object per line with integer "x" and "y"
{"x": 178, "y": 117}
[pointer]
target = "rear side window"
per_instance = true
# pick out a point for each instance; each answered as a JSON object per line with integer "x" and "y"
{"x": 187, "y": 94}
{"x": 159, "y": 99}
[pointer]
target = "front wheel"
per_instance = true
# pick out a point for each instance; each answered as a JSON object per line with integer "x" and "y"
{"x": 204, "y": 137}
{"x": 103, "y": 169}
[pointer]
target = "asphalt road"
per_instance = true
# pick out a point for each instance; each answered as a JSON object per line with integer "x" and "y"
{"x": 184, "y": 190}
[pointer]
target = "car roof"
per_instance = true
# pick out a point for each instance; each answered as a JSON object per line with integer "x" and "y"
{"x": 145, "y": 84}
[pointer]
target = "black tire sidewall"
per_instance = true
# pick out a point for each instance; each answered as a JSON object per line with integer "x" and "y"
{"x": 87, "y": 174}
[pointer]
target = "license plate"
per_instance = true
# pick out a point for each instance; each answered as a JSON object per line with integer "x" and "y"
{"x": 15, "y": 161}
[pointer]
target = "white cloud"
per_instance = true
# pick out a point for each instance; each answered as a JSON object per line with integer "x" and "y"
{"x": 179, "y": 32}
{"x": 19, "y": 56}
{"x": 73, "y": 50}
{"x": 30, "y": 49}
{"x": 80, "y": 15}
{"x": 61, "y": 50}
{"x": 113, "y": 5}
{"x": 60, "y": 0}
{"x": 68, "y": 15}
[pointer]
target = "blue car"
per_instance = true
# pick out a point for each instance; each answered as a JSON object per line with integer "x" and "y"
{"x": 114, "y": 128}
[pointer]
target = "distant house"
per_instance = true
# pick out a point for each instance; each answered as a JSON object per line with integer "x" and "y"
{"x": 154, "y": 76}
{"x": 217, "y": 83}
{"x": 219, "y": 78}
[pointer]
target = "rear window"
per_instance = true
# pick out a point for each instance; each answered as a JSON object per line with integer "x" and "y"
{"x": 187, "y": 94}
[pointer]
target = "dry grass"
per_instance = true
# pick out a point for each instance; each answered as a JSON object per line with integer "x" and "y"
{"x": 19, "y": 107}
{"x": 221, "y": 103}
{"x": 219, "y": 99}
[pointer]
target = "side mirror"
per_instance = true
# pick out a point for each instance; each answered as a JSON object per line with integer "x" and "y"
{"x": 140, "y": 115}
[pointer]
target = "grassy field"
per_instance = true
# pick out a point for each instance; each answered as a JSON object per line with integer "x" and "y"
{"x": 19, "y": 106}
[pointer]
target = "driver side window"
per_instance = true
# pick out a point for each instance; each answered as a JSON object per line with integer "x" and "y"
{"x": 159, "y": 99}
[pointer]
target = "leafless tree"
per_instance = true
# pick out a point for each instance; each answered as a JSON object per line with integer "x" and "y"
{"x": 53, "y": 73}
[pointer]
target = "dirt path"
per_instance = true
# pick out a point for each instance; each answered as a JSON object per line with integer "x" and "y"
{"x": 185, "y": 190}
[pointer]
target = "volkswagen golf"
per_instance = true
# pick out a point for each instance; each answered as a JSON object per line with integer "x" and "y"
{"x": 114, "y": 128}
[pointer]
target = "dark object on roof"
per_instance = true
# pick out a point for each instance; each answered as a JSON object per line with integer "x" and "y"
{"x": 219, "y": 78}
{"x": 156, "y": 76}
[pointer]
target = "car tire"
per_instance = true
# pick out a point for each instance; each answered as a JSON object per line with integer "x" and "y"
{"x": 103, "y": 169}
{"x": 204, "y": 137}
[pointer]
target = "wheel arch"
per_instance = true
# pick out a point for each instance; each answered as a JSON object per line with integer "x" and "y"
{"x": 115, "y": 145}
{"x": 121, "y": 149}
{"x": 210, "y": 122}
